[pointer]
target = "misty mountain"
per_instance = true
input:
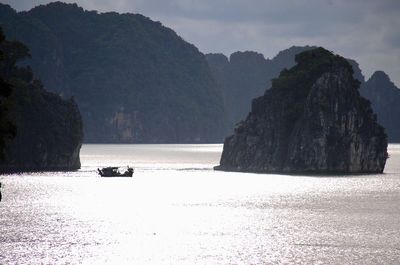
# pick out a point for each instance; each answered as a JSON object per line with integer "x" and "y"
{"x": 246, "y": 75}
{"x": 133, "y": 79}
{"x": 385, "y": 100}
{"x": 241, "y": 78}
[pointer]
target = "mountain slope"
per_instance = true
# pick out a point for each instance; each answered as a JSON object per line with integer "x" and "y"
{"x": 133, "y": 79}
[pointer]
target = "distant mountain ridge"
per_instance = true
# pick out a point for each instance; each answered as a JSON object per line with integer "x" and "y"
{"x": 134, "y": 80}
{"x": 385, "y": 100}
{"x": 247, "y": 75}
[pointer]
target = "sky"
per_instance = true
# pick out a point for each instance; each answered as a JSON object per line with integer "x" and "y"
{"x": 365, "y": 30}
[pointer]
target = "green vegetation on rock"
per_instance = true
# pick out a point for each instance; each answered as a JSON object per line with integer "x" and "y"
{"x": 312, "y": 120}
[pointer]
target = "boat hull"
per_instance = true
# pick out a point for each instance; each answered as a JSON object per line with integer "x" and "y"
{"x": 112, "y": 172}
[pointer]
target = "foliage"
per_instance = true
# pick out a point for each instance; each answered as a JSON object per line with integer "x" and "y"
{"x": 48, "y": 129}
{"x": 7, "y": 129}
{"x": 293, "y": 85}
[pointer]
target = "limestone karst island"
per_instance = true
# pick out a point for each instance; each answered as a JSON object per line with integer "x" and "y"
{"x": 199, "y": 132}
{"x": 144, "y": 91}
{"x": 312, "y": 120}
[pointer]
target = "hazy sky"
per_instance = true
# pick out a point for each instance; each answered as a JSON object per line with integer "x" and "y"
{"x": 365, "y": 30}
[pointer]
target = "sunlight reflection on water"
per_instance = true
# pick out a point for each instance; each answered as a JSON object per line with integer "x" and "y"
{"x": 177, "y": 210}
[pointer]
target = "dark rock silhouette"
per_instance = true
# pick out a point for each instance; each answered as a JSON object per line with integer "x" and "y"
{"x": 312, "y": 120}
{"x": 48, "y": 129}
{"x": 357, "y": 73}
{"x": 241, "y": 78}
{"x": 49, "y": 132}
{"x": 385, "y": 101}
{"x": 246, "y": 75}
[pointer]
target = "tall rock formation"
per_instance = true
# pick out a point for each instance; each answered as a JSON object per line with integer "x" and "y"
{"x": 385, "y": 101}
{"x": 312, "y": 120}
{"x": 122, "y": 64}
{"x": 246, "y": 75}
{"x": 48, "y": 129}
{"x": 241, "y": 78}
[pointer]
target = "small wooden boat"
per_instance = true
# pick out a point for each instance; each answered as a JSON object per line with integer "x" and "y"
{"x": 115, "y": 172}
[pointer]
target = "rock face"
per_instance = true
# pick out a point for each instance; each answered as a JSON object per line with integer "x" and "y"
{"x": 312, "y": 120}
{"x": 385, "y": 101}
{"x": 246, "y": 75}
{"x": 47, "y": 129}
{"x": 241, "y": 78}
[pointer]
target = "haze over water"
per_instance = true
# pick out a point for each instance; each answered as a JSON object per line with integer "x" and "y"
{"x": 177, "y": 210}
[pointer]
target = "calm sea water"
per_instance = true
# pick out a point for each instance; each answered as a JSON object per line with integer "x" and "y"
{"x": 177, "y": 210}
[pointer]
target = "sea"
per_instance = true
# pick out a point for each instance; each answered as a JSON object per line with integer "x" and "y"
{"x": 177, "y": 210}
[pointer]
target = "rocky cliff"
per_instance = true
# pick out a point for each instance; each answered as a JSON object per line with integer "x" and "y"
{"x": 385, "y": 101}
{"x": 246, "y": 75}
{"x": 312, "y": 120}
{"x": 242, "y": 77}
{"x": 48, "y": 129}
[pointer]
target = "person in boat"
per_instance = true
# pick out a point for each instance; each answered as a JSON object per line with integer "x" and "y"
{"x": 114, "y": 172}
{"x": 129, "y": 171}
